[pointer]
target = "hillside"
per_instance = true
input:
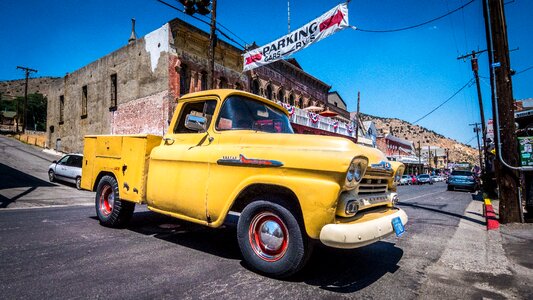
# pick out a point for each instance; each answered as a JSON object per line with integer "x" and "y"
{"x": 458, "y": 152}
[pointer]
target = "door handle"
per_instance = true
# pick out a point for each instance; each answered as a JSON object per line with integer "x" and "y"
{"x": 168, "y": 141}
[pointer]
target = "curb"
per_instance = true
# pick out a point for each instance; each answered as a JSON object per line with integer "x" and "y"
{"x": 488, "y": 212}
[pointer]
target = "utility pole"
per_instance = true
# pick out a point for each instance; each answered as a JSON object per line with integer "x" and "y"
{"x": 288, "y": 16}
{"x": 27, "y": 72}
{"x": 419, "y": 157}
{"x": 505, "y": 131}
{"x": 357, "y": 116}
{"x": 212, "y": 44}
{"x": 475, "y": 69}
{"x": 476, "y": 130}
{"x": 429, "y": 157}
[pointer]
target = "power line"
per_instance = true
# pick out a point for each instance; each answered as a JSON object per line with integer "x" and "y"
{"x": 207, "y": 23}
{"x": 470, "y": 140}
{"x": 526, "y": 69}
{"x": 417, "y": 25}
{"x": 429, "y": 113}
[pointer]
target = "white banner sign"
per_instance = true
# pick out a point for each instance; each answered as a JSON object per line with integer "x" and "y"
{"x": 332, "y": 21}
{"x": 490, "y": 130}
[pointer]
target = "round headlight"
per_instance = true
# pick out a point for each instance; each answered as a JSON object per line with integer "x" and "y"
{"x": 350, "y": 176}
{"x": 358, "y": 172}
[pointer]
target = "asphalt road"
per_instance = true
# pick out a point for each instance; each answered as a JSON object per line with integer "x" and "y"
{"x": 24, "y": 179}
{"x": 61, "y": 252}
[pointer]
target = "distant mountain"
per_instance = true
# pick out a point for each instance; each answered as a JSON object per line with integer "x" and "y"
{"x": 458, "y": 152}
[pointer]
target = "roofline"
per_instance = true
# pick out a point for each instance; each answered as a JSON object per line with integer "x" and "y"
{"x": 339, "y": 97}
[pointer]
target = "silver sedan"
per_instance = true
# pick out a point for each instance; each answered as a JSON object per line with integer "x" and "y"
{"x": 68, "y": 168}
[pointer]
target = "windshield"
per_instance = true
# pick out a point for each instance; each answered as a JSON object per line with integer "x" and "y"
{"x": 462, "y": 173}
{"x": 423, "y": 176}
{"x": 243, "y": 113}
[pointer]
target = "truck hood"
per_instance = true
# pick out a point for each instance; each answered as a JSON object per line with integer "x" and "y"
{"x": 299, "y": 151}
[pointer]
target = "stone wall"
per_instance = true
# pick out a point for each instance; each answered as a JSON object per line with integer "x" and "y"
{"x": 141, "y": 70}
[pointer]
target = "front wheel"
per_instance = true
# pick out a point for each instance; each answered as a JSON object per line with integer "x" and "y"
{"x": 271, "y": 239}
{"x": 110, "y": 209}
{"x": 51, "y": 175}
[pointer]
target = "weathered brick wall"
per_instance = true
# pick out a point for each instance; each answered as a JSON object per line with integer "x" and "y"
{"x": 143, "y": 115}
{"x": 142, "y": 72}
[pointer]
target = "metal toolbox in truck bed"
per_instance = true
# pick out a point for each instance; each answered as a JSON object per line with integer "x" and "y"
{"x": 123, "y": 156}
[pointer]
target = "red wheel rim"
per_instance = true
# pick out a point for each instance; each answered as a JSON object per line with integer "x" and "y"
{"x": 107, "y": 198}
{"x": 269, "y": 237}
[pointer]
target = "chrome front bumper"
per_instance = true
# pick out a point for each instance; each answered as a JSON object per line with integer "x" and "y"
{"x": 360, "y": 233}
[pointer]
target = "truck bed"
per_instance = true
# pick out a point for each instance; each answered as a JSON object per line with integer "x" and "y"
{"x": 126, "y": 157}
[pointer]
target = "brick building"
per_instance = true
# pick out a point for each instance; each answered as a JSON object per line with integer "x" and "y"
{"x": 133, "y": 89}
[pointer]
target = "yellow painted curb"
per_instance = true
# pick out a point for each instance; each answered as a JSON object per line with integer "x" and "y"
{"x": 487, "y": 201}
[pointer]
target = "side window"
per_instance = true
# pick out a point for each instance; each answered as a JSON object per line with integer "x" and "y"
{"x": 75, "y": 161}
{"x": 64, "y": 160}
{"x": 204, "y": 109}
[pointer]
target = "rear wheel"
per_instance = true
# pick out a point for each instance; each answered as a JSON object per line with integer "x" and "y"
{"x": 271, "y": 239}
{"x": 78, "y": 183}
{"x": 112, "y": 211}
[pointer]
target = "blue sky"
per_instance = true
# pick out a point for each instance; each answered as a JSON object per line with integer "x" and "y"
{"x": 402, "y": 74}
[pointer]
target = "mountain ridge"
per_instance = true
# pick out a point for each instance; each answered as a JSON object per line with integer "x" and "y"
{"x": 457, "y": 151}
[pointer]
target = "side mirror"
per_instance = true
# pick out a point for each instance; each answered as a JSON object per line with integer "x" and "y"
{"x": 54, "y": 161}
{"x": 195, "y": 123}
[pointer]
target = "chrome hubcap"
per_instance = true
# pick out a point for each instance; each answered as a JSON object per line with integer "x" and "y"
{"x": 107, "y": 199}
{"x": 268, "y": 236}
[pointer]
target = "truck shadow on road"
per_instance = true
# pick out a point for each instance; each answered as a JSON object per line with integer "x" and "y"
{"x": 221, "y": 242}
{"x": 336, "y": 270}
{"x": 440, "y": 211}
{"x": 12, "y": 178}
{"x": 350, "y": 270}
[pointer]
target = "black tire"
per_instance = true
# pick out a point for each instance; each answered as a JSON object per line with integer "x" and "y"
{"x": 51, "y": 175}
{"x": 78, "y": 183}
{"x": 111, "y": 211}
{"x": 449, "y": 188}
{"x": 279, "y": 261}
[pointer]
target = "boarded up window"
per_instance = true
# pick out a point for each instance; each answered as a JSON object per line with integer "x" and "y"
{"x": 185, "y": 79}
{"x": 203, "y": 80}
{"x": 84, "y": 102}
{"x": 114, "y": 92}
{"x": 61, "y": 109}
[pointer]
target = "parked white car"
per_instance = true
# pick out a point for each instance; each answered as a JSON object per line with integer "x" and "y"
{"x": 406, "y": 179}
{"x": 68, "y": 169}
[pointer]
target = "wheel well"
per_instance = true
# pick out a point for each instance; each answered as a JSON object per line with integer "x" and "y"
{"x": 102, "y": 174}
{"x": 275, "y": 193}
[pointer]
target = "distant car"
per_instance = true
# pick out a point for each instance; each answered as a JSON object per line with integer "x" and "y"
{"x": 68, "y": 169}
{"x": 406, "y": 179}
{"x": 464, "y": 180}
{"x": 424, "y": 178}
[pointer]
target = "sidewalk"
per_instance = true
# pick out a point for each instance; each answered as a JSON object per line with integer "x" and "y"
{"x": 495, "y": 264}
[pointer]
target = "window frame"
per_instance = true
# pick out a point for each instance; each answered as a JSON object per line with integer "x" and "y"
{"x": 84, "y": 100}
{"x": 113, "y": 92}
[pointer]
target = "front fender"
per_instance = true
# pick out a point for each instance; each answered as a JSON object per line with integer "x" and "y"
{"x": 317, "y": 198}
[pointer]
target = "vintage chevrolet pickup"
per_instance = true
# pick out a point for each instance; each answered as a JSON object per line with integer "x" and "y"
{"x": 232, "y": 151}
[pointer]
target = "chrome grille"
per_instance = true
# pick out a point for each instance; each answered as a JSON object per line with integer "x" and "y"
{"x": 378, "y": 173}
{"x": 375, "y": 181}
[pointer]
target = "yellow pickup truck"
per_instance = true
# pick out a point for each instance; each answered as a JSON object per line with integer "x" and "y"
{"x": 229, "y": 151}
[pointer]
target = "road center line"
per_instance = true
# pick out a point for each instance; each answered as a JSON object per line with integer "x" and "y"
{"x": 439, "y": 192}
